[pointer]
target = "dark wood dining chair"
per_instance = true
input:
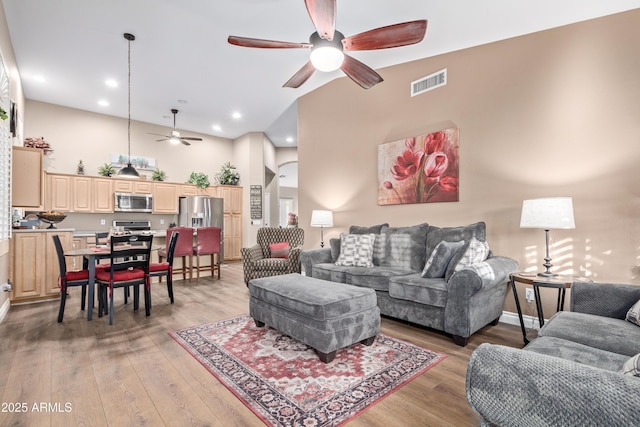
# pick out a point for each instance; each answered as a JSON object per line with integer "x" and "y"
{"x": 184, "y": 249}
{"x": 165, "y": 269}
{"x": 129, "y": 266}
{"x": 69, "y": 278}
{"x": 208, "y": 243}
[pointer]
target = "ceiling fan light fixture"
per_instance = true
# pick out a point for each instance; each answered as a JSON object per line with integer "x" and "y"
{"x": 326, "y": 58}
{"x": 326, "y": 55}
{"x": 174, "y": 141}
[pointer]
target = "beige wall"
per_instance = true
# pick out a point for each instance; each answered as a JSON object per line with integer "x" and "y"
{"x": 554, "y": 113}
{"x": 81, "y": 135}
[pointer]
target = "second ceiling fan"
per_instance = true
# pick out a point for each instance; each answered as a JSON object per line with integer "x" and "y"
{"x": 175, "y": 137}
{"x": 328, "y": 45}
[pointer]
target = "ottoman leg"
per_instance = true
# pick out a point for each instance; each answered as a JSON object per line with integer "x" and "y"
{"x": 326, "y": 357}
{"x": 258, "y": 323}
{"x": 369, "y": 341}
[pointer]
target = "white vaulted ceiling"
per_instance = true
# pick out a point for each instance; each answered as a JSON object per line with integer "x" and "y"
{"x": 181, "y": 58}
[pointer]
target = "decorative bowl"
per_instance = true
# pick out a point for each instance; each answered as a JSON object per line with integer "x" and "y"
{"x": 51, "y": 218}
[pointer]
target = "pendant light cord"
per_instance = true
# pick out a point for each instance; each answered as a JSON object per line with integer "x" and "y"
{"x": 129, "y": 102}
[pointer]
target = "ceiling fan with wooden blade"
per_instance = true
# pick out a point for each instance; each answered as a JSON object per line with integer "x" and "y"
{"x": 328, "y": 45}
{"x": 175, "y": 137}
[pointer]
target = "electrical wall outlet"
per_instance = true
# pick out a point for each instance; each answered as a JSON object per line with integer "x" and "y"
{"x": 6, "y": 287}
{"x": 103, "y": 221}
{"x": 162, "y": 222}
{"x": 528, "y": 294}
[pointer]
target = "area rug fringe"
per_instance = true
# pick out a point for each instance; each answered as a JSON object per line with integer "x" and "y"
{"x": 285, "y": 384}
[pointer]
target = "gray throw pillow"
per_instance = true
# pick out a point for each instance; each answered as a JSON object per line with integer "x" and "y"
{"x": 356, "y": 250}
{"x": 632, "y": 366}
{"x": 633, "y": 315}
{"x": 334, "y": 244}
{"x": 455, "y": 234}
{"x": 436, "y": 265}
{"x": 374, "y": 229}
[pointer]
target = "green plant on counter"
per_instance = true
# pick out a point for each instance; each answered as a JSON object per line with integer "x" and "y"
{"x": 228, "y": 175}
{"x": 3, "y": 114}
{"x": 158, "y": 175}
{"x": 106, "y": 170}
{"x": 200, "y": 179}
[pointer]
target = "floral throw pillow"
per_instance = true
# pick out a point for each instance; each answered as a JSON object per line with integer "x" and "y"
{"x": 279, "y": 250}
{"x": 633, "y": 315}
{"x": 436, "y": 265}
{"x": 356, "y": 250}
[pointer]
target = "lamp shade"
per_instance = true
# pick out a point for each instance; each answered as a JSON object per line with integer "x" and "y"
{"x": 548, "y": 213}
{"x": 321, "y": 218}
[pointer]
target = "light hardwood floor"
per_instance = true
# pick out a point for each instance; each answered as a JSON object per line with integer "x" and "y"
{"x": 133, "y": 374}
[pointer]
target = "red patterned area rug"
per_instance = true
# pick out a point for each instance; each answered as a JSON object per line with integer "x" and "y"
{"x": 285, "y": 384}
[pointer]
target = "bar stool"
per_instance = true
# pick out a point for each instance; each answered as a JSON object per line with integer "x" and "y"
{"x": 208, "y": 243}
{"x": 184, "y": 249}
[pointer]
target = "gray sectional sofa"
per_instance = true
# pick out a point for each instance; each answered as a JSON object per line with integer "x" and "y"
{"x": 456, "y": 302}
{"x": 571, "y": 374}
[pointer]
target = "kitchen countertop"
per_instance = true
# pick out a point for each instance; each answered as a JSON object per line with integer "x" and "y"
{"x": 92, "y": 233}
{"x": 42, "y": 230}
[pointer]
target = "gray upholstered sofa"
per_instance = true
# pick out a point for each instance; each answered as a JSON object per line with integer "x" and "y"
{"x": 456, "y": 302}
{"x": 569, "y": 375}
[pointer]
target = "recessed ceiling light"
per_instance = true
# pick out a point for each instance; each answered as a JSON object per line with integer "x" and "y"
{"x": 111, "y": 83}
{"x": 39, "y": 79}
{"x": 236, "y": 115}
{"x": 289, "y": 139}
{"x": 103, "y": 102}
{"x": 217, "y": 128}
{"x": 182, "y": 101}
{"x": 166, "y": 116}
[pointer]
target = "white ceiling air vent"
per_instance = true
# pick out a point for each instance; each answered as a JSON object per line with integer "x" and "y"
{"x": 429, "y": 82}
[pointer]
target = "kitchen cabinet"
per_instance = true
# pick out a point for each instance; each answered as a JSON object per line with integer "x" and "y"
{"x": 103, "y": 200}
{"x": 165, "y": 198}
{"x": 123, "y": 185}
{"x": 33, "y": 264}
{"x": 58, "y": 193}
{"x": 188, "y": 190}
{"x": 232, "y": 196}
{"x": 27, "y": 187}
{"x": 82, "y": 194}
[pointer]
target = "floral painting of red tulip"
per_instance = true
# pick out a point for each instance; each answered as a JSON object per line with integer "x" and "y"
{"x": 420, "y": 169}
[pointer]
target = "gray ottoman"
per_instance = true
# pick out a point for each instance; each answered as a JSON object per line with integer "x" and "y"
{"x": 324, "y": 315}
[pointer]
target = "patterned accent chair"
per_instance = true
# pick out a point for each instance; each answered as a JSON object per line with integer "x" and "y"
{"x": 257, "y": 261}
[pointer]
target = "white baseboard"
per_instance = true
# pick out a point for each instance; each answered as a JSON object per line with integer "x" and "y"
{"x": 4, "y": 309}
{"x": 530, "y": 322}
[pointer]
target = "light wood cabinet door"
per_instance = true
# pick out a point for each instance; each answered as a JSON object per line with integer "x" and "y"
{"x": 165, "y": 198}
{"x": 122, "y": 185}
{"x": 103, "y": 199}
{"x": 58, "y": 193}
{"x": 236, "y": 237}
{"x": 33, "y": 265}
{"x": 143, "y": 187}
{"x": 82, "y": 194}
{"x": 188, "y": 190}
{"x": 27, "y": 178}
{"x": 236, "y": 200}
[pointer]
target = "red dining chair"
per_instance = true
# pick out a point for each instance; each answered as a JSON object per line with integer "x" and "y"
{"x": 162, "y": 269}
{"x": 184, "y": 249}
{"x": 130, "y": 255}
{"x": 208, "y": 243}
{"x": 69, "y": 278}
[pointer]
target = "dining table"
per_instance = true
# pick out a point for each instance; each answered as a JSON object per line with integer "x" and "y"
{"x": 93, "y": 255}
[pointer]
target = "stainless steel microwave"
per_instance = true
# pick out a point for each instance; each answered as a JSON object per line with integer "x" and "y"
{"x": 127, "y": 202}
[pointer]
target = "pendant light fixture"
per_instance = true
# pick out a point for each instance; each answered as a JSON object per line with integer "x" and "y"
{"x": 129, "y": 171}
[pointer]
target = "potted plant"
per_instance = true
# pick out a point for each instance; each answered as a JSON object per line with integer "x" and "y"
{"x": 106, "y": 170}
{"x": 200, "y": 179}
{"x": 228, "y": 175}
{"x": 158, "y": 175}
{"x": 3, "y": 114}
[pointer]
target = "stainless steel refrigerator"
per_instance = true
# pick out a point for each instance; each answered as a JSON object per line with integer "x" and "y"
{"x": 202, "y": 211}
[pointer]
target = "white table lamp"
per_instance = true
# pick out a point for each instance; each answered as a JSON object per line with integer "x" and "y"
{"x": 320, "y": 218}
{"x": 548, "y": 213}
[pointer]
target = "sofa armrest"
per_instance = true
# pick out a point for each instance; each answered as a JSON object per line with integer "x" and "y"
{"x": 252, "y": 253}
{"x": 603, "y": 299}
{"x": 511, "y": 387}
{"x": 492, "y": 272}
{"x": 294, "y": 259}
{"x": 314, "y": 256}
